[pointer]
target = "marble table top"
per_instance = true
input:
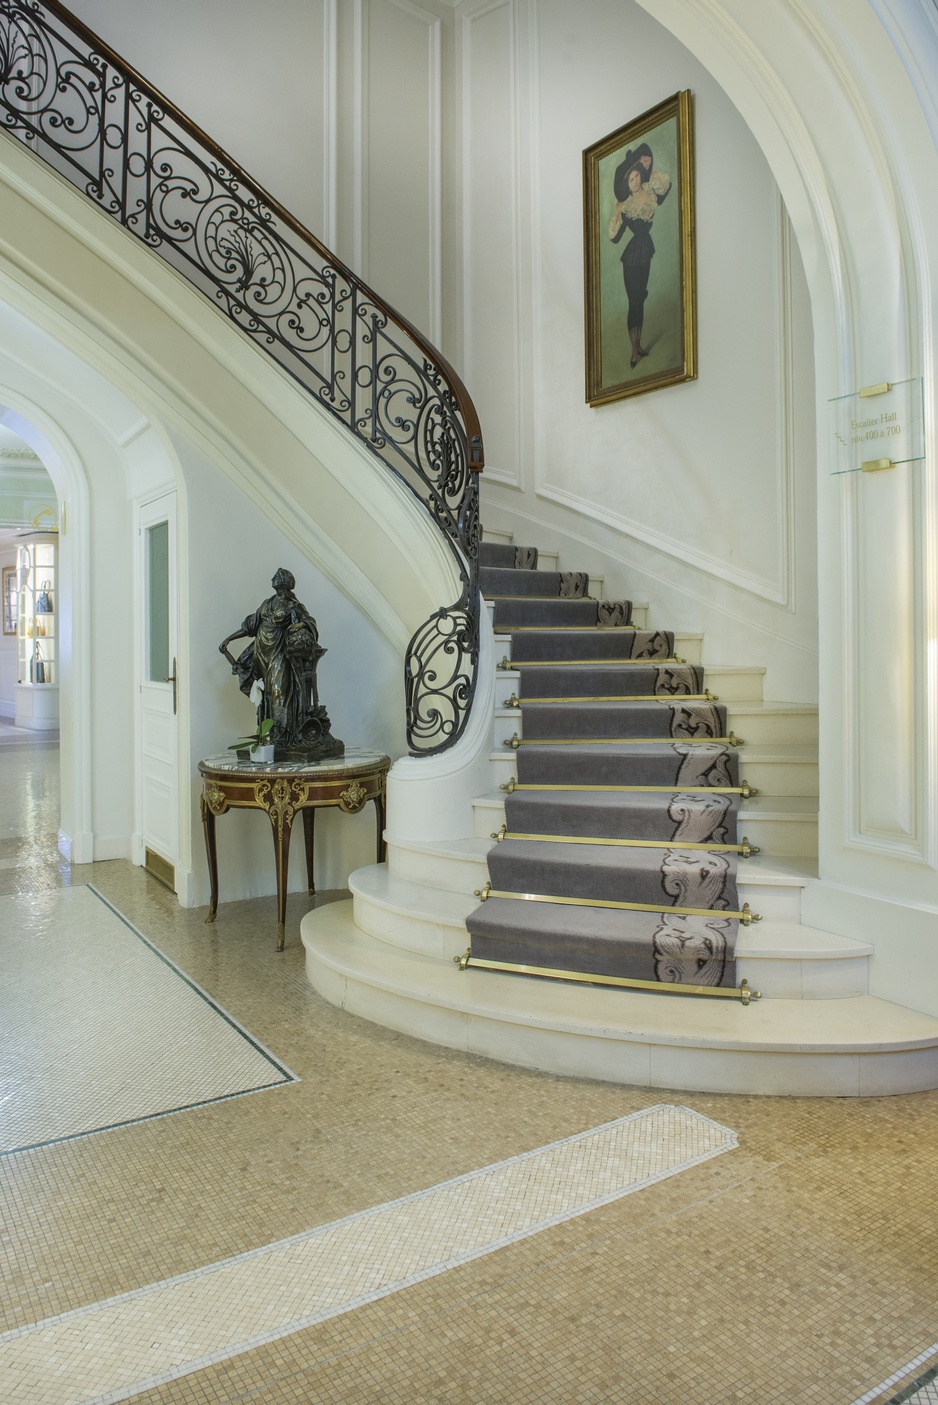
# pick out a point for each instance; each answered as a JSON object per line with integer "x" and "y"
{"x": 354, "y": 758}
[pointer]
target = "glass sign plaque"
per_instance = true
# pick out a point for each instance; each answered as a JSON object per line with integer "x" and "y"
{"x": 878, "y": 427}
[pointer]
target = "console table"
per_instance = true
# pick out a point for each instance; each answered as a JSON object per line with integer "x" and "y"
{"x": 282, "y": 789}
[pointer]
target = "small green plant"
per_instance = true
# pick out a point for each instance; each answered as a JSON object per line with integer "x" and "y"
{"x": 256, "y": 739}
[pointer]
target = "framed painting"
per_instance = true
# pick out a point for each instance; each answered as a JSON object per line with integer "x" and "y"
{"x": 9, "y": 600}
{"x": 638, "y": 239}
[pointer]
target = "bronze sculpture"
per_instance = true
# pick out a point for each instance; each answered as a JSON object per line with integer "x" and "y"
{"x": 277, "y": 671}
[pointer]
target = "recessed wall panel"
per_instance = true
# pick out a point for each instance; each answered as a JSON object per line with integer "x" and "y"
{"x": 885, "y": 681}
{"x": 261, "y": 92}
{"x": 399, "y": 199}
{"x": 490, "y": 231}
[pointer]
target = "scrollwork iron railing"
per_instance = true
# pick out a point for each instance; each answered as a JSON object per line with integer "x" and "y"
{"x": 89, "y": 115}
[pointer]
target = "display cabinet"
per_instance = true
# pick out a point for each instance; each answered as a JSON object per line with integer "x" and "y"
{"x": 37, "y": 692}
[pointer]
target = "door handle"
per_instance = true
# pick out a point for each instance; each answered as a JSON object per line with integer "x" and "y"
{"x": 172, "y": 679}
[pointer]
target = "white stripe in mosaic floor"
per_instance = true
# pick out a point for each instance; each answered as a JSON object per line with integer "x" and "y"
{"x": 98, "y": 1028}
{"x": 109, "y": 1351}
{"x": 927, "y": 1394}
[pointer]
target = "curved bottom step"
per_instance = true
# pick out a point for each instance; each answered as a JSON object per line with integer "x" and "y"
{"x": 855, "y": 1047}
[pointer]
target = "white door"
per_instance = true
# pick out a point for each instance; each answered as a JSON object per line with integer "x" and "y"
{"x": 157, "y": 766}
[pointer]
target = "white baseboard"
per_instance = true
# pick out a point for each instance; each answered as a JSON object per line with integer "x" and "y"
{"x": 77, "y": 848}
{"x": 111, "y": 846}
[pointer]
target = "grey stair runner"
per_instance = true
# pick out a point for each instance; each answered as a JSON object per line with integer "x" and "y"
{"x": 547, "y": 645}
{"x": 609, "y": 680}
{"x": 606, "y": 706}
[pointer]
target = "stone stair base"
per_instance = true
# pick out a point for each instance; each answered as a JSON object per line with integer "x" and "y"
{"x": 850, "y": 1047}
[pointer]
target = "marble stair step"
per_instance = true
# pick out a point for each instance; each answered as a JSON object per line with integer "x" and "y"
{"x": 588, "y": 643}
{"x": 496, "y": 581}
{"x": 577, "y": 681}
{"x": 853, "y": 1046}
{"x": 733, "y": 682}
{"x": 787, "y": 771}
{"x": 778, "y": 769}
{"x": 641, "y": 815}
{"x": 757, "y": 724}
{"x": 605, "y": 872}
{"x": 654, "y": 717}
{"x": 688, "y": 646}
{"x": 781, "y": 825}
{"x": 771, "y": 885}
{"x": 782, "y": 958}
{"x": 646, "y": 762}
{"x": 774, "y": 723}
{"x": 761, "y": 727}
{"x": 545, "y": 612}
{"x": 784, "y": 825}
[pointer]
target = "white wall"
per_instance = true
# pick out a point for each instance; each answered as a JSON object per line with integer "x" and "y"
{"x": 698, "y": 498}
{"x": 439, "y": 146}
{"x": 233, "y": 553}
{"x": 250, "y": 75}
{"x": 93, "y": 437}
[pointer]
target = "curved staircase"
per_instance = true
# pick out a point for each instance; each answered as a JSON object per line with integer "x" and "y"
{"x": 391, "y": 953}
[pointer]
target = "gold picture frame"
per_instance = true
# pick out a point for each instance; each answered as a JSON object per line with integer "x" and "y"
{"x": 641, "y": 306}
{"x": 9, "y": 600}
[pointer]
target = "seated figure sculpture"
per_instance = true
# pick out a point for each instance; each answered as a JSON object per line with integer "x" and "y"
{"x": 277, "y": 670}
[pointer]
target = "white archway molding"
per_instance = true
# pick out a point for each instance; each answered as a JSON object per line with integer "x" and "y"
{"x": 829, "y": 102}
{"x": 96, "y": 468}
{"x": 137, "y": 320}
{"x": 63, "y": 464}
{"x": 839, "y": 94}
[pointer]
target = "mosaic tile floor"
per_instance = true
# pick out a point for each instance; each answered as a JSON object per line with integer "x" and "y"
{"x": 78, "y": 1053}
{"x": 803, "y": 1267}
{"x": 113, "y": 1350}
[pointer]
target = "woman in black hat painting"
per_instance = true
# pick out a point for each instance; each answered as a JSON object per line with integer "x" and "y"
{"x": 639, "y": 190}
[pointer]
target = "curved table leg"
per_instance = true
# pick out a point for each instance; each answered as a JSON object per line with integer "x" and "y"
{"x": 309, "y": 833}
{"x": 381, "y": 820}
{"x": 282, "y": 826}
{"x": 208, "y": 828}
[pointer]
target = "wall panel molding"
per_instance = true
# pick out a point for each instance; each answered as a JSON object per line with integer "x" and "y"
{"x": 780, "y": 588}
{"x": 474, "y": 353}
{"x": 330, "y": 122}
{"x": 362, "y": 102}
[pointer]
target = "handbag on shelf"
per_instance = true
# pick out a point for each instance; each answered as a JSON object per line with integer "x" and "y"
{"x": 37, "y": 666}
{"x": 44, "y": 598}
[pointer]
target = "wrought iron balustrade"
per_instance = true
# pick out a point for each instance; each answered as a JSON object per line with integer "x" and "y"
{"x": 89, "y": 115}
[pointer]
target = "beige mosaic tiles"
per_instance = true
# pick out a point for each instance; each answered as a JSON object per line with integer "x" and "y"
{"x": 98, "y": 1029}
{"x": 110, "y": 1351}
{"x": 800, "y": 1270}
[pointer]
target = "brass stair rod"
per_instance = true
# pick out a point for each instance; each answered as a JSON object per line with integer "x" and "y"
{"x": 508, "y": 663}
{"x": 515, "y": 741}
{"x": 745, "y": 917}
{"x": 744, "y": 848}
{"x": 562, "y": 628}
{"x": 742, "y": 993}
{"x": 676, "y": 698}
{"x": 745, "y": 790}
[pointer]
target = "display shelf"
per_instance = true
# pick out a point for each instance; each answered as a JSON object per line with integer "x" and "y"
{"x": 37, "y": 633}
